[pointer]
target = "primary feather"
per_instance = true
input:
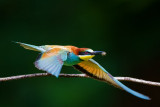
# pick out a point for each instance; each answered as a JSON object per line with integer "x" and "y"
{"x": 95, "y": 70}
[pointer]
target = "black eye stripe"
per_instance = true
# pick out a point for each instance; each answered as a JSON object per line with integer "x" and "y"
{"x": 85, "y": 53}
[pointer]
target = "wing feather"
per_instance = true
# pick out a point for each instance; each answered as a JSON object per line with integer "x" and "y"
{"x": 52, "y": 61}
{"x": 94, "y": 70}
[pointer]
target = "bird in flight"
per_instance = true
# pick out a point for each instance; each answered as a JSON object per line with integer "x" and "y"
{"x": 53, "y": 57}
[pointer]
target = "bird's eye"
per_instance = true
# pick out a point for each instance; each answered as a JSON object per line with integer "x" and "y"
{"x": 86, "y": 53}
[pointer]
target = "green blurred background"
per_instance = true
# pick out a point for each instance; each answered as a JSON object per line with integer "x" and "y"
{"x": 128, "y": 30}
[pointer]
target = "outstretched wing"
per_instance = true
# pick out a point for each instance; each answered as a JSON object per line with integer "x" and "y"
{"x": 93, "y": 69}
{"x": 52, "y": 61}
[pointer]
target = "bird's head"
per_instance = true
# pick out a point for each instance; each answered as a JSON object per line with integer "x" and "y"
{"x": 86, "y": 53}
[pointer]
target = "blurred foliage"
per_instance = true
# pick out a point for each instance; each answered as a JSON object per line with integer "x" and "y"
{"x": 128, "y": 30}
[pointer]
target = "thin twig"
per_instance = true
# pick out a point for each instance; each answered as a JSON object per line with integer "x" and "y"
{"x": 78, "y": 75}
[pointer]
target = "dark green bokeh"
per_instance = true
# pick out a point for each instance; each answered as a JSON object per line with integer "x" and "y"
{"x": 128, "y": 30}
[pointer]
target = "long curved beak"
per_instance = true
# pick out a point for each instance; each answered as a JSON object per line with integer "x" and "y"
{"x": 99, "y": 53}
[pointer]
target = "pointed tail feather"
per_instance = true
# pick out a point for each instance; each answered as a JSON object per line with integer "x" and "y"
{"x": 31, "y": 47}
{"x": 137, "y": 94}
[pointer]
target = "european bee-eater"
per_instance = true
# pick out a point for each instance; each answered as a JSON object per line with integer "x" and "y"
{"x": 53, "y": 57}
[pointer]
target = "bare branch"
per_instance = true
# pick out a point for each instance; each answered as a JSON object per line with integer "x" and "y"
{"x": 78, "y": 75}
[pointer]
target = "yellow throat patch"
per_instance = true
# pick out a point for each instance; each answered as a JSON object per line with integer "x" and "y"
{"x": 86, "y": 57}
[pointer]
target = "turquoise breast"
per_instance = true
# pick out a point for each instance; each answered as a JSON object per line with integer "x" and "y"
{"x": 72, "y": 59}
